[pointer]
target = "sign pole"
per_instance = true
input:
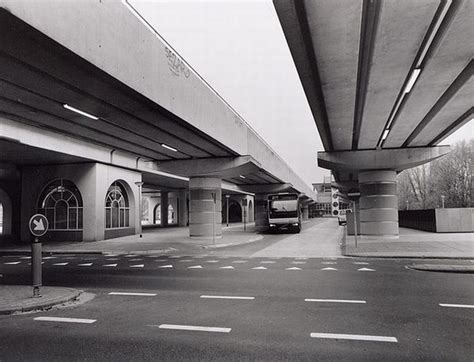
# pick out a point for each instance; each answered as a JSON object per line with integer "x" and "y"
{"x": 38, "y": 227}
{"x": 355, "y": 222}
{"x": 214, "y": 198}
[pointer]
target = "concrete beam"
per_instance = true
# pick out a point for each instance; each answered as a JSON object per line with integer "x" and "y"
{"x": 267, "y": 189}
{"x": 224, "y": 167}
{"x": 382, "y": 159}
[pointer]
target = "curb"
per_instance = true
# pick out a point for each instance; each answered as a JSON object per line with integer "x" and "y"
{"x": 257, "y": 238}
{"x": 468, "y": 269}
{"x": 408, "y": 257}
{"x": 72, "y": 295}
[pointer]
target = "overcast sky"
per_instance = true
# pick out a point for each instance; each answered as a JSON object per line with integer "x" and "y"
{"x": 239, "y": 48}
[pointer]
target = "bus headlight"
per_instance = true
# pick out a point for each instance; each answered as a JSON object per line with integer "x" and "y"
{"x": 272, "y": 225}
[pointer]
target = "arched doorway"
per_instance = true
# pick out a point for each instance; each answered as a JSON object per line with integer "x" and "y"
{"x": 157, "y": 214}
{"x": 235, "y": 211}
{"x": 5, "y": 214}
{"x": 250, "y": 212}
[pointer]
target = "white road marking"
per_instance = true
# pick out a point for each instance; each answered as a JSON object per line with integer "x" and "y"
{"x": 336, "y": 301}
{"x": 227, "y": 267}
{"x": 137, "y": 266}
{"x": 186, "y": 261}
{"x": 301, "y": 258}
{"x": 356, "y": 337}
{"x": 225, "y": 297}
{"x": 212, "y": 261}
{"x": 85, "y": 264}
{"x": 12, "y": 263}
{"x": 166, "y": 266}
{"x": 193, "y": 328}
{"x": 240, "y": 261}
{"x": 456, "y": 305}
{"x": 360, "y": 263}
{"x": 26, "y": 257}
{"x": 329, "y": 262}
{"x": 134, "y": 294}
{"x": 130, "y": 256}
{"x": 293, "y": 268}
{"x": 110, "y": 265}
{"x": 298, "y": 262}
{"x": 175, "y": 256}
{"x": 259, "y": 268}
{"x": 329, "y": 268}
{"x": 366, "y": 269}
{"x": 330, "y": 258}
{"x": 67, "y": 320}
{"x": 48, "y": 257}
{"x": 112, "y": 259}
{"x": 135, "y": 259}
{"x": 61, "y": 264}
{"x": 268, "y": 262}
{"x": 195, "y": 267}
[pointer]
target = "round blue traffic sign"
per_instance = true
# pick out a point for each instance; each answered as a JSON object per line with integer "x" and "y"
{"x": 38, "y": 225}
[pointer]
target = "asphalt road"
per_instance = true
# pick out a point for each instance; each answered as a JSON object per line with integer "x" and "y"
{"x": 391, "y": 312}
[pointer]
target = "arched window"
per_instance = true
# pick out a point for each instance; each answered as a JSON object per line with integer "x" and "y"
{"x": 61, "y": 203}
{"x": 117, "y": 210}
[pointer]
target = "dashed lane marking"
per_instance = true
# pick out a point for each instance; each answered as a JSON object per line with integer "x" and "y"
{"x": 195, "y": 267}
{"x": 298, "y": 262}
{"x": 168, "y": 266}
{"x": 259, "y": 268}
{"x": 85, "y": 264}
{"x": 193, "y": 328}
{"x": 268, "y": 262}
{"x": 225, "y": 297}
{"x": 137, "y": 266}
{"x": 355, "y": 337}
{"x": 227, "y": 267}
{"x": 26, "y": 257}
{"x": 186, "y": 261}
{"x": 239, "y": 261}
{"x": 66, "y": 320}
{"x": 329, "y": 268}
{"x": 134, "y": 294}
{"x": 12, "y": 263}
{"x": 336, "y": 301}
{"x": 212, "y": 261}
{"x": 135, "y": 259}
{"x": 112, "y": 259}
{"x": 329, "y": 262}
{"x": 61, "y": 264}
{"x": 456, "y": 305}
{"x": 293, "y": 268}
{"x": 110, "y": 265}
{"x": 48, "y": 257}
{"x": 365, "y": 270}
{"x": 360, "y": 263}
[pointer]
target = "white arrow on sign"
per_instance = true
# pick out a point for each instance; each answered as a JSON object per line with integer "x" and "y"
{"x": 39, "y": 226}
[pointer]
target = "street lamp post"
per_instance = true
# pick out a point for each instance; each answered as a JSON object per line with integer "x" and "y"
{"x": 442, "y": 201}
{"x": 227, "y": 209}
{"x": 140, "y": 184}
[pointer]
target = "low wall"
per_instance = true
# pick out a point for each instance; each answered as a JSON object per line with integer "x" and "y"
{"x": 438, "y": 220}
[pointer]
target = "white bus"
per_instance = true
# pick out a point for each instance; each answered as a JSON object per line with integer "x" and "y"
{"x": 284, "y": 212}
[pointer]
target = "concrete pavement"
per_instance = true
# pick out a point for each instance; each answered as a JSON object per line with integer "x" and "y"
{"x": 413, "y": 243}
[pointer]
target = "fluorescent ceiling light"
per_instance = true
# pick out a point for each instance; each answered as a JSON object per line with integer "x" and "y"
{"x": 67, "y": 106}
{"x": 169, "y": 147}
{"x": 241, "y": 176}
{"x": 385, "y": 134}
{"x": 411, "y": 82}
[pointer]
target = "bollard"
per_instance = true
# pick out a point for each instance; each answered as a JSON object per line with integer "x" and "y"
{"x": 36, "y": 267}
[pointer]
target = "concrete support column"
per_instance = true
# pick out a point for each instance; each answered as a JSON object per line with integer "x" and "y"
{"x": 305, "y": 213}
{"x": 205, "y": 216}
{"x": 183, "y": 208}
{"x": 378, "y": 203}
{"x": 164, "y": 208}
{"x": 261, "y": 219}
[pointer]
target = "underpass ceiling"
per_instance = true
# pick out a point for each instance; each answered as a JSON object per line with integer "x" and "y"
{"x": 354, "y": 59}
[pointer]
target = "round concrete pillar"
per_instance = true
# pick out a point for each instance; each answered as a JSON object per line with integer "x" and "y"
{"x": 378, "y": 203}
{"x": 261, "y": 218}
{"x": 205, "y": 217}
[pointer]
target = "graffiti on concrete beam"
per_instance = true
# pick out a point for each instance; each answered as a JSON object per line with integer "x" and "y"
{"x": 176, "y": 65}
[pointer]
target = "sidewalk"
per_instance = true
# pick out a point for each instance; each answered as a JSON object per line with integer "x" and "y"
{"x": 414, "y": 244}
{"x": 18, "y": 298}
{"x": 170, "y": 240}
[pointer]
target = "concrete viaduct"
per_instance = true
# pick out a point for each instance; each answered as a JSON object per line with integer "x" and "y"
{"x": 386, "y": 81}
{"x": 96, "y": 109}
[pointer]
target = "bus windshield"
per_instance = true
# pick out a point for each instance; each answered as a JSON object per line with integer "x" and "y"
{"x": 283, "y": 208}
